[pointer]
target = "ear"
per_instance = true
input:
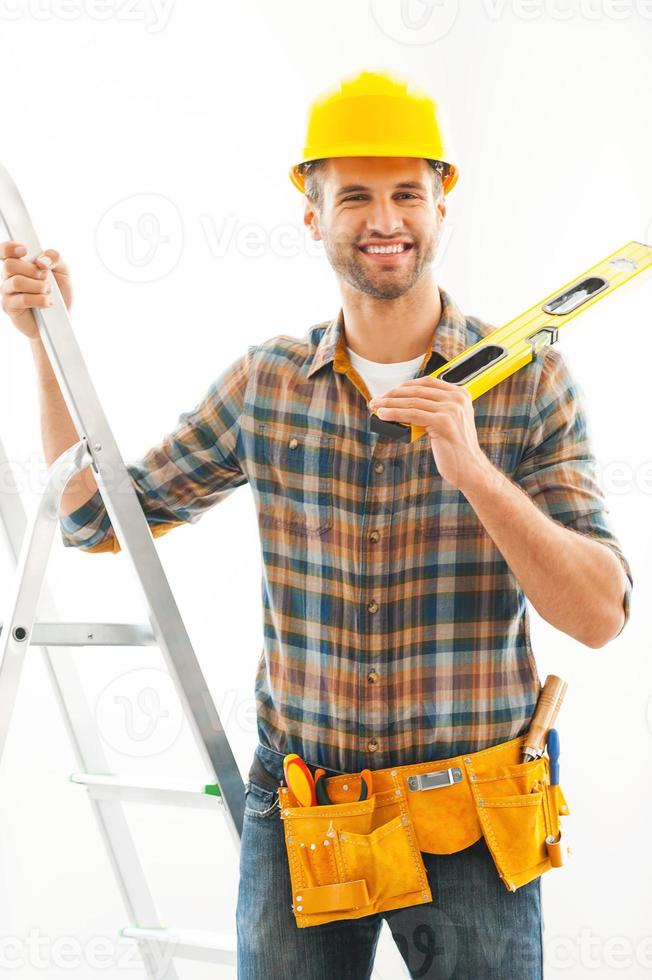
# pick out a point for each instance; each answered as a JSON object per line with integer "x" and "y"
{"x": 311, "y": 220}
{"x": 441, "y": 206}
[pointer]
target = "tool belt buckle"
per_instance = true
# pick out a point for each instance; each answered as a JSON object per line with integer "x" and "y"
{"x": 434, "y": 780}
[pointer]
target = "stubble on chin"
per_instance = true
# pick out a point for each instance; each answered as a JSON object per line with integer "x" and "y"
{"x": 348, "y": 262}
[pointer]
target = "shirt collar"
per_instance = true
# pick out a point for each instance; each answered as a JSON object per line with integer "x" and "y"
{"x": 449, "y": 339}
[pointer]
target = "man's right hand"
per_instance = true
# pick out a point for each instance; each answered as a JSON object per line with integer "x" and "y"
{"x": 24, "y": 284}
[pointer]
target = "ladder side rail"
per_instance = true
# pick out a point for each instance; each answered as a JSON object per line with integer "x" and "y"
{"x": 28, "y": 581}
{"x": 87, "y": 749}
{"x": 129, "y": 522}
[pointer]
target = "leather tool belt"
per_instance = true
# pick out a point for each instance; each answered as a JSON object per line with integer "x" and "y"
{"x": 355, "y": 857}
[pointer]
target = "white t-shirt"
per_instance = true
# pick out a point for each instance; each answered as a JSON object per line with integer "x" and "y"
{"x": 378, "y": 377}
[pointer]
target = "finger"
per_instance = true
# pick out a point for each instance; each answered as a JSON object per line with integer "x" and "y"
{"x": 416, "y": 391}
{"x": 50, "y": 259}
{"x": 422, "y": 404}
{"x": 10, "y": 248}
{"x": 431, "y": 382}
{"x": 442, "y": 393}
{"x": 19, "y": 267}
{"x": 25, "y": 284}
{"x": 413, "y": 396}
{"x": 411, "y": 416}
{"x": 18, "y": 302}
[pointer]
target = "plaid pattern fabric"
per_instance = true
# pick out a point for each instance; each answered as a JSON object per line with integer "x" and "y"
{"x": 394, "y": 631}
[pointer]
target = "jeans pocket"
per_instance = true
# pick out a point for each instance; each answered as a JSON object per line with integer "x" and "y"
{"x": 259, "y": 802}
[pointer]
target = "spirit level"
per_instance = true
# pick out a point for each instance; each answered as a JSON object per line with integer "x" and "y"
{"x": 510, "y": 347}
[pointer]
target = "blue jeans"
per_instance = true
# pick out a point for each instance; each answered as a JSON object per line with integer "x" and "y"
{"x": 474, "y": 929}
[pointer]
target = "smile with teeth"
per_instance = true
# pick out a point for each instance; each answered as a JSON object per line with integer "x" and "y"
{"x": 385, "y": 249}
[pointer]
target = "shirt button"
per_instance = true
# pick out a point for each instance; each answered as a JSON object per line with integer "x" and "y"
{"x": 379, "y": 467}
{"x": 372, "y": 676}
{"x": 374, "y": 536}
{"x": 294, "y": 443}
{"x": 372, "y": 744}
{"x": 372, "y": 606}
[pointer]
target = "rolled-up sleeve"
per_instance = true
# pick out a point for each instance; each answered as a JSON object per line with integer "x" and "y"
{"x": 193, "y": 468}
{"x": 558, "y": 468}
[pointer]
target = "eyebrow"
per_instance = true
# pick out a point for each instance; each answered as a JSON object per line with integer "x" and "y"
{"x": 409, "y": 184}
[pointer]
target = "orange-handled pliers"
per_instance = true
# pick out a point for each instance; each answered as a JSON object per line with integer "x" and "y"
{"x": 323, "y": 798}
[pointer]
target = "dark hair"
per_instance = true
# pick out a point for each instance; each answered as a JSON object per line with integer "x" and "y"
{"x": 313, "y": 185}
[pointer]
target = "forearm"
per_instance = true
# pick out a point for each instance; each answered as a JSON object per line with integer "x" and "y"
{"x": 58, "y": 431}
{"x": 573, "y": 581}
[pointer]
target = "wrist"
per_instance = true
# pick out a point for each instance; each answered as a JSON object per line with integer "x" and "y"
{"x": 36, "y": 344}
{"x": 481, "y": 476}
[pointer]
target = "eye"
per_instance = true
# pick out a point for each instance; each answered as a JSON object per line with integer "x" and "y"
{"x": 406, "y": 194}
{"x": 353, "y": 197}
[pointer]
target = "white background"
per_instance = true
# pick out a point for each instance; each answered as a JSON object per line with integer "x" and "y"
{"x": 191, "y": 113}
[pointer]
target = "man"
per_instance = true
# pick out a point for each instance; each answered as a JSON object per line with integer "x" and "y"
{"x": 395, "y": 574}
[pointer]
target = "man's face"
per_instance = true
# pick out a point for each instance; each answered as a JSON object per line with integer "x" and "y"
{"x": 378, "y": 201}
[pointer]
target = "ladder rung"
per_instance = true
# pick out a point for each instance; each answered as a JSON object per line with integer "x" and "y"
{"x": 193, "y": 944}
{"x": 109, "y": 786}
{"x": 91, "y": 634}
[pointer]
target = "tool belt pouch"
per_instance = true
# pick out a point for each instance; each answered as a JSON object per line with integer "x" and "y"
{"x": 351, "y": 859}
{"x": 520, "y": 815}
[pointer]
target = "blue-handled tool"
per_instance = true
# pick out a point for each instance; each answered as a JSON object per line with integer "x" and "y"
{"x": 552, "y": 745}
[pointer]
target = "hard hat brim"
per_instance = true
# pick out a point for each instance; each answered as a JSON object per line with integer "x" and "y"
{"x": 449, "y": 178}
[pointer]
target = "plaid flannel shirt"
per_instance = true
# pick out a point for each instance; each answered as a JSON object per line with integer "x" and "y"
{"x": 394, "y": 630}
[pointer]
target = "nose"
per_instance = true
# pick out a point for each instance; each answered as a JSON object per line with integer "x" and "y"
{"x": 383, "y": 219}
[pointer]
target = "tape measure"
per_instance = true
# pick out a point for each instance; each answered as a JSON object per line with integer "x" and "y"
{"x": 506, "y": 349}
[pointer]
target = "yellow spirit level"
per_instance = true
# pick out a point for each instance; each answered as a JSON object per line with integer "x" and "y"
{"x": 508, "y": 348}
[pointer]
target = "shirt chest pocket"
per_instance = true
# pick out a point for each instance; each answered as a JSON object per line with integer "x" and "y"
{"x": 295, "y": 484}
{"x": 443, "y": 510}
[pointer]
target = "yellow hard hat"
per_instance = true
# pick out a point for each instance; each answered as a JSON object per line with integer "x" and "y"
{"x": 375, "y": 114}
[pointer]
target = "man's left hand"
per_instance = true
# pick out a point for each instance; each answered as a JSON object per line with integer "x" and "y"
{"x": 445, "y": 411}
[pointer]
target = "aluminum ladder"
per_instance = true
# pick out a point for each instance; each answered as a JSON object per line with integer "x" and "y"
{"x": 30, "y": 547}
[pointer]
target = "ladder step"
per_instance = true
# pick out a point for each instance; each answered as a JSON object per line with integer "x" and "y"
{"x": 193, "y": 944}
{"x": 112, "y": 786}
{"x": 91, "y": 634}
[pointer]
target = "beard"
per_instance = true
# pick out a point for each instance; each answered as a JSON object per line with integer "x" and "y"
{"x": 381, "y": 283}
